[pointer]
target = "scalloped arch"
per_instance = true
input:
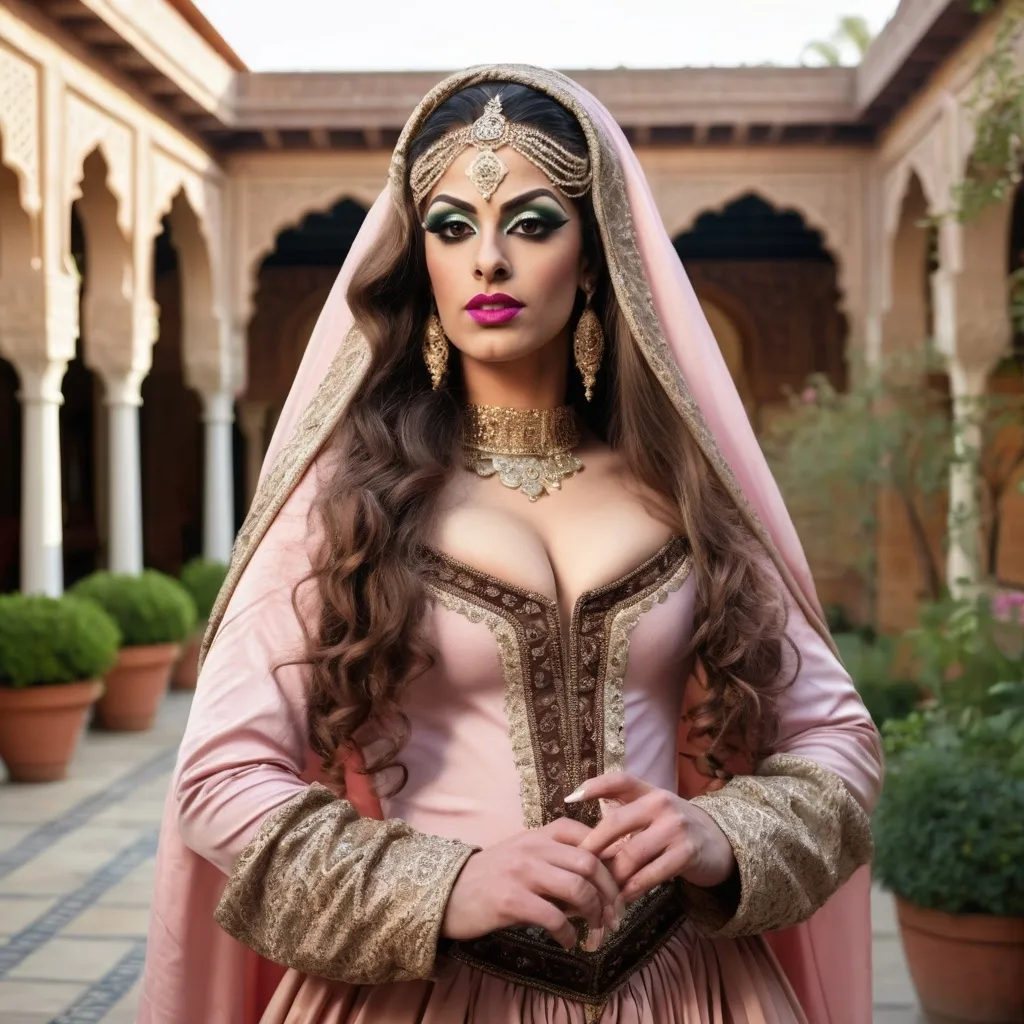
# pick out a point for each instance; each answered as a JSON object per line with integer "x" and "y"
{"x": 90, "y": 129}
{"x": 896, "y": 186}
{"x": 280, "y": 208}
{"x": 717, "y": 197}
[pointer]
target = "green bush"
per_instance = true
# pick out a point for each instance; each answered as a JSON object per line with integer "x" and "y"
{"x": 54, "y": 640}
{"x": 949, "y": 831}
{"x": 149, "y": 609}
{"x": 203, "y": 579}
{"x": 870, "y": 665}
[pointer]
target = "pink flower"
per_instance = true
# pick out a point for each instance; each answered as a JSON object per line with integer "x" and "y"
{"x": 1008, "y": 606}
{"x": 809, "y": 396}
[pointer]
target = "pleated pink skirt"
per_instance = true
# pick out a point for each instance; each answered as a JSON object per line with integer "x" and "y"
{"x": 691, "y": 980}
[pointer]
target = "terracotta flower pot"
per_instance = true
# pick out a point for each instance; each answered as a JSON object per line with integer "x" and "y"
{"x": 186, "y": 671}
{"x": 967, "y": 967}
{"x": 135, "y": 687}
{"x": 40, "y": 726}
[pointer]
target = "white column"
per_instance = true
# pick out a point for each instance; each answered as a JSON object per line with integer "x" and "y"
{"x": 123, "y": 399}
{"x": 42, "y": 519}
{"x": 963, "y": 557}
{"x": 218, "y": 484}
{"x": 252, "y": 418}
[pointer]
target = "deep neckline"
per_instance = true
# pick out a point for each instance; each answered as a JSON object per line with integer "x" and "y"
{"x": 552, "y": 603}
{"x": 563, "y": 687}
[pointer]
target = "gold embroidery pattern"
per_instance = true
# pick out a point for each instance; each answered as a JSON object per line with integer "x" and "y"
{"x": 623, "y": 621}
{"x": 561, "y": 718}
{"x": 338, "y": 896}
{"x": 320, "y": 417}
{"x": 797, "y": 834}
{"x": 512, "y": 671}
{"x": 535, "y": 695}
{"x": 598, "y": 653}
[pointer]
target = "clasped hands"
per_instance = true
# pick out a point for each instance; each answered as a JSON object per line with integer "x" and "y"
{"x": 566, "y": 869}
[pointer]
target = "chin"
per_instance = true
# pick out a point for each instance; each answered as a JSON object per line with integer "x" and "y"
{"x": 497, "y": 345}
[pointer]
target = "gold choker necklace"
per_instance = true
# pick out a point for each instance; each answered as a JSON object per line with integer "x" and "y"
{"x": 529, "y": 449}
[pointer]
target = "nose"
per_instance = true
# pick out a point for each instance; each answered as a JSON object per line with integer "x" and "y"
{"x": 491, "y": 263}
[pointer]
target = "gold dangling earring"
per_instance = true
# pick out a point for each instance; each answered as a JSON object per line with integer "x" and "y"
{"x": 588, "y": 347}
{"x": 435, "y": 350}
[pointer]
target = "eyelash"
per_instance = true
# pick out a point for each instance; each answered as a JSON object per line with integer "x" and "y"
{"x": 545, "y": 227}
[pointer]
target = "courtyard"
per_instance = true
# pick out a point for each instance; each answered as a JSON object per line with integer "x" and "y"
{"x": 76, "y": 871}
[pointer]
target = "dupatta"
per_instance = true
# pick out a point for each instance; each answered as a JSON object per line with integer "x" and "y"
{"x": 195, "y": 972}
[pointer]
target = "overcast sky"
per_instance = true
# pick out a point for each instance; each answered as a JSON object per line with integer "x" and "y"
{"x": 350, "y": 35}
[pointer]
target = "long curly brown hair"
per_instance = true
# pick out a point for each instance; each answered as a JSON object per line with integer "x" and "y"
{"x": 397, "y": 445}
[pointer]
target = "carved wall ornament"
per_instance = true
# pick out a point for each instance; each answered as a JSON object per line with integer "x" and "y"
{"x": 19, "y": 124}
{"x": 88, "y": 128}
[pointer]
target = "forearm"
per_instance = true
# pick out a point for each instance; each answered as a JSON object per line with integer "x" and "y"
{"x": 334, "y": 895}
{"x": 797, "y": 833}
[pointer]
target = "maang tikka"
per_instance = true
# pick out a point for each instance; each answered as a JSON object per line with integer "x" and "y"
{"x": 492, "y": 131}
{"x": 588, "y": 347}
{"x": 435, "y": 350}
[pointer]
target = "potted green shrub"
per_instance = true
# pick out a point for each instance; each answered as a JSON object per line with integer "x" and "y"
{"x": 949, "y": 828}
{"x": 155, "y": 614}
{"x": 52, "y": 654}
{"x": 202, "y": 578}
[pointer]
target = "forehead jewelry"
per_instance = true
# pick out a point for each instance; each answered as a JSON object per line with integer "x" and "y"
{"x": 491, "y": 131}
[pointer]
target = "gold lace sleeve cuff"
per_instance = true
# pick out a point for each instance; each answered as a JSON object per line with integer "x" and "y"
{"x": 797, "y": 834}
{"x": 338, "y": 896}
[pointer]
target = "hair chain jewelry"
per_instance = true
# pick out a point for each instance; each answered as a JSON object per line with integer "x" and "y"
{"x": 491, "y": 131}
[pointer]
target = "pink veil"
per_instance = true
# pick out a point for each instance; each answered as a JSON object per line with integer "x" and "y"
{"x": 195, "y": 972}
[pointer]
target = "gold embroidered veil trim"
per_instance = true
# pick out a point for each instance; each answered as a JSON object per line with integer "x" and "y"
{"x": 625, "y": 266}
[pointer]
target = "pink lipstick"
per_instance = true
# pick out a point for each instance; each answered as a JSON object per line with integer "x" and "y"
{"x": 493, "y": 309}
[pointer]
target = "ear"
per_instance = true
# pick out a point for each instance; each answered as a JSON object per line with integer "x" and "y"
{"x": 587, "y": 281}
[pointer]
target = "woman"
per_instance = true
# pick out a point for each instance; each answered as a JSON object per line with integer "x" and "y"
{"x": 513, "y": 504}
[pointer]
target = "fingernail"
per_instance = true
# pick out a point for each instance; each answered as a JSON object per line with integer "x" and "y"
{"x": 576, "y": 795}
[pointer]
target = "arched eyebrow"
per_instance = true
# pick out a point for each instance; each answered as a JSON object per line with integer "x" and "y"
{"x": 510, "y": 204}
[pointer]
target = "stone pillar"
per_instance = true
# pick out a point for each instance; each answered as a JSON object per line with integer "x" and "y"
{"x": 123, "y": 399}
{"x": 252, "y": 418}
{"x": 218, "y": 480}
{"x": 963, "y": 556}
{"x": 42, "y": 551}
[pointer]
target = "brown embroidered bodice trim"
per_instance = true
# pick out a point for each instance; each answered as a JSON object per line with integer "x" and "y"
{"x": 559, "y": 707}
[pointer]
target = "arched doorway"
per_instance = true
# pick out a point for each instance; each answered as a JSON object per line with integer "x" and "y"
{"x": 15, "y": 230}
{"x": 1003, "y": 478}
{"x": 82, "y": 433}
{"x": 770, "y": 288}
{"x": 170, "y": 428}
{"x": 911, "y": 524}
{"x": 293, "y": 283}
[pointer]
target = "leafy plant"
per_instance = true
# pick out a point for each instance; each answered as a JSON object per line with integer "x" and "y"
{"x": 998, "y": 107}
{"x": 949, "y": 831}
{"x": 46, "y": 640}
{"x": 149, "y": 609}
{"x": 887, "y": 431}
{"x": 965, "y": 647}
{"x": 852, "y": 33}
{"x": 203, "y": 579}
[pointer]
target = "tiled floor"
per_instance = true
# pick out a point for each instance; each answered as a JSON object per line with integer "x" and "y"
{"x": 76, "y": 865}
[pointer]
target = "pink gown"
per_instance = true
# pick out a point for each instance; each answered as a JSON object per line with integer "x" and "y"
{"x": 467, "y": 781}
{"x": 244, "y": 756}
